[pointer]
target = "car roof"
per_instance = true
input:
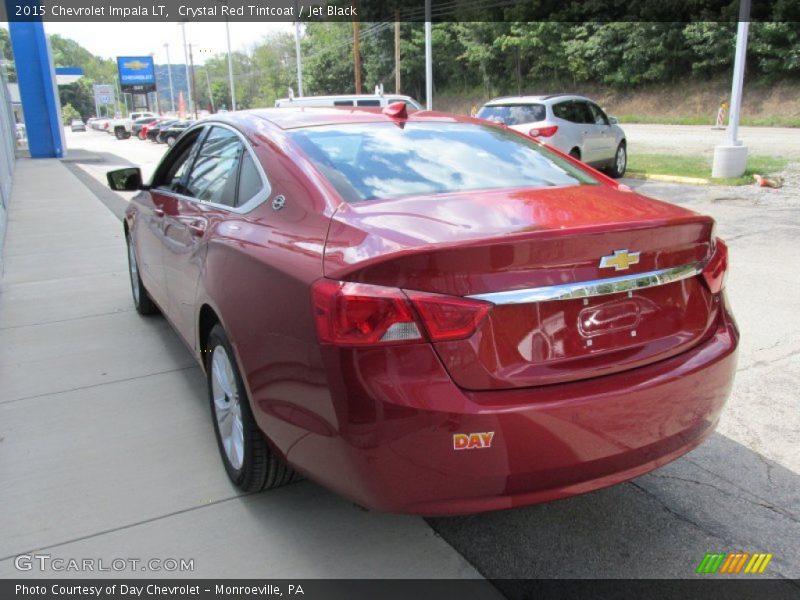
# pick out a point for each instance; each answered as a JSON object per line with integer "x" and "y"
{"x": 345, "y": 97}
{"x": 533, "y": 99}
{"x": 307, "y": 116}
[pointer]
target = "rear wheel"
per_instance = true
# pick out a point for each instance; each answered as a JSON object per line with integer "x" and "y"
{"x": 620, "y": 161}
{"x": 248, "y": 460}
{"x": 141, "y": 299}
{"x": 170, "y": 140}
{"x": 121, "y": 133}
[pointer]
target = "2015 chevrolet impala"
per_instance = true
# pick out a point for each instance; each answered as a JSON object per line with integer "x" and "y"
{"x": 426, "y": 313}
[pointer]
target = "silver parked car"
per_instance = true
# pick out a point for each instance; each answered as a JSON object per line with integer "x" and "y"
{"x": 573, "y": 124}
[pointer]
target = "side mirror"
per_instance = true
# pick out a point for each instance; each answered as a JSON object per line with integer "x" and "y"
{"x": 613, "y": 120}
{"x": 128, "y": 179}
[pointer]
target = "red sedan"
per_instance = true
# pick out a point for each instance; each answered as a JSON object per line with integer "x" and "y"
{"x": 426, "y": 313}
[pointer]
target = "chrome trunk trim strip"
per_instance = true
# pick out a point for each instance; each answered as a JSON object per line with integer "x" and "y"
{"x": 597, "y": 287}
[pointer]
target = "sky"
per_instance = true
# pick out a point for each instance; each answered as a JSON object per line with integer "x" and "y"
{"x": 110, "y": 40}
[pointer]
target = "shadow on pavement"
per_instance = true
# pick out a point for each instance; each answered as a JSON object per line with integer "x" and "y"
{"x": 722, "y": 497}
{"x": 115, "y": 202}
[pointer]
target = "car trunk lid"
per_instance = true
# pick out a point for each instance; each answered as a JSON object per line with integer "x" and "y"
{"x": 490, "y": 244}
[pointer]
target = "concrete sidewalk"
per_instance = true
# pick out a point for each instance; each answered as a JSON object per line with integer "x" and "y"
{"x": 106, "y": 442}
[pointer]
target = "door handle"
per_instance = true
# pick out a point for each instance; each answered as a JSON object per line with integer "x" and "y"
{"x": 159, "y": 212}
{"x": 197, "y": 229}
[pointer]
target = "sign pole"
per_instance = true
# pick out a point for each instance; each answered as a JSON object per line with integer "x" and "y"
{"x": 428, "y": 58}
{"x": 730, "y": 158}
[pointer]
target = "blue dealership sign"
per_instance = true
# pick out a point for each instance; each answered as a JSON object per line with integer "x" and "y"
{"x": 136, "y": 73}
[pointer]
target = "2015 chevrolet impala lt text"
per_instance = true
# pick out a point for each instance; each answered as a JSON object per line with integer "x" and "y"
{"x": 426, "y": 313}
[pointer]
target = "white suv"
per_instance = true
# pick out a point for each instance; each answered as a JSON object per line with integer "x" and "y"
{"x": 362, "y": 100}
{"x": 573, "y": 124}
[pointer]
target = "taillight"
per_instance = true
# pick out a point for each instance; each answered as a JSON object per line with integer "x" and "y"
{"x": 449, "y": 317}
{"x": 717, "y": 267}
{"x": 544, "y": 131}
{"x": 357, "y": 314}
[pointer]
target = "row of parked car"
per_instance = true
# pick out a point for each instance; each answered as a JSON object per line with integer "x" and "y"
{"x": 143, "y": 125}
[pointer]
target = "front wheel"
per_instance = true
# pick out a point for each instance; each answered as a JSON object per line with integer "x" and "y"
{"x": 170, "y": 140}
{"x": 620, "y": 161}
{"x": 248, "y": 460}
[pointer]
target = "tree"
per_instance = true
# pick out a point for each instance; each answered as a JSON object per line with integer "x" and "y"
{"x": 7, "y": 55}
{"x": 68, "y": 113}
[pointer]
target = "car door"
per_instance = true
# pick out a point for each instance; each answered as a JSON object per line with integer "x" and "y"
{"x": 592, "y": 149}
{"x": 149, "y": 228}
{"x": 210, "y": 197}
{"x": 606, "y": 144}
{"x": 571, "y": 130}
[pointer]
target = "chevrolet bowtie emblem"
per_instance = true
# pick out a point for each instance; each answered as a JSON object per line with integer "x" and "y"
{"x": 620, "y": 260}
{"x": 135, "y": 65}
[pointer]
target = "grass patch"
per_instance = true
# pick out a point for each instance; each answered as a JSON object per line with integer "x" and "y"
{"x": 762, "y": 121}
{"x": 700, "y": 166}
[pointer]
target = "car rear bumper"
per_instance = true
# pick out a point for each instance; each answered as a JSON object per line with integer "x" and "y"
{"x": 388, "y": 439}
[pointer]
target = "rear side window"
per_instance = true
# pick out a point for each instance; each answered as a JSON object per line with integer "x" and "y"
{"x": 214, "y": 174}
{"x": 380, "y": 160}
{"x": 250, "y": 183}
{"x": 368, "y": 103}
{"x": 343, "y": 103}
{"x": 514, "y": 114}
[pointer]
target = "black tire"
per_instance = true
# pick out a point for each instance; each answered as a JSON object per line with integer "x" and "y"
{"x": 121, "y": 133}
{"x": 261, "y": 469}
{"x": 620, "y": 161}
{"x": 141, "y": 299}
{"x": 575, "y": 153}
{"x": 170, "y": 140}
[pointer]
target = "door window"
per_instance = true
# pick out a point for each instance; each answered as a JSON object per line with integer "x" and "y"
{"x": 599, "y": 116}
{"x": 369, "y": 102}
{"x": 582, "y": 113}
{"x": 214, "y": 175}
{"x": 574, "y": 111}
{"x": 172, "y": 174}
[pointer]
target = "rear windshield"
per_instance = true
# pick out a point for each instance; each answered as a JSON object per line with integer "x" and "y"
{"x": 388, "y": 160}
{"x": 514, "y": 114}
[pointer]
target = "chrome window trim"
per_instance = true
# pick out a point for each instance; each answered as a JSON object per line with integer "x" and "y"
{"x": 255, "y": 201}
{"x": 597, "y": 287}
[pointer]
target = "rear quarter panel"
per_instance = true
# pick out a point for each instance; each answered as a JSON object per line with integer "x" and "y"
{"x": 257, "y": 276}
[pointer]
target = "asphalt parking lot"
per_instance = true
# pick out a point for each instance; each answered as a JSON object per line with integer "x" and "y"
{"x": 106, "y": 447}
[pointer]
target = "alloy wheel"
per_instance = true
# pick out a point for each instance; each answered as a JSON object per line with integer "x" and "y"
{"x": 227, "y": 407}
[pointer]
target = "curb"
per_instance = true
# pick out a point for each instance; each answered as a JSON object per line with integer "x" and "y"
{"x": 670, "y": 178}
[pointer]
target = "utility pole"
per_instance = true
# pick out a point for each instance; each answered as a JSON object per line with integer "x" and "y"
{"x": 230, "y": 64}
{"x": 210, "y": 97}
{"x": 169, "y": 72}
{"x": 189, "y": 86}
{"x": 428, "y": 58}
{"x": 357, "y": 54}
{"x": 397, "y": 52}
{"x": 194, "y": 88}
